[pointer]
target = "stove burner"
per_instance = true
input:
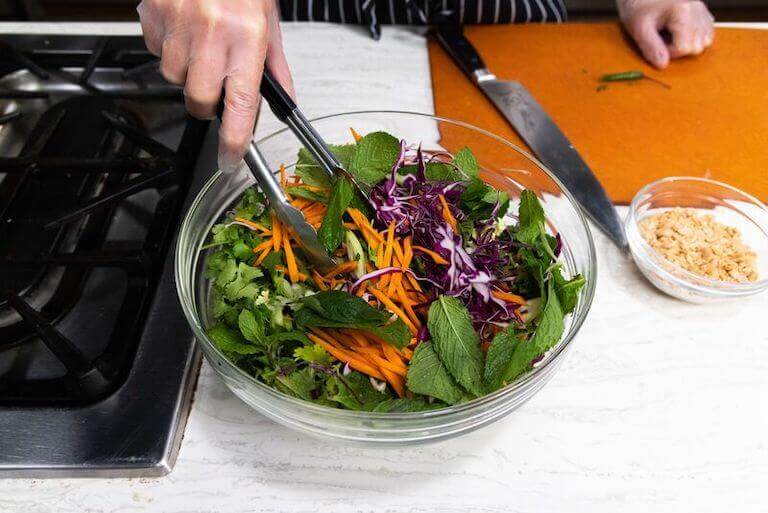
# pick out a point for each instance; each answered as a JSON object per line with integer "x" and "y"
{"x": 88, "y": 168}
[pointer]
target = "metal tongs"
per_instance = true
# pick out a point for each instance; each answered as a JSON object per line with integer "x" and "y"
{"x": 286, "y": 111}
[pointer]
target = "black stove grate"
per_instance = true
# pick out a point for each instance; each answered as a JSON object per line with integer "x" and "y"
{"x": 75, "y": 288}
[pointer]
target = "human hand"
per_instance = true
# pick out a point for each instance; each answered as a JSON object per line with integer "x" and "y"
{"x": 689, "y": 22}
{"x": 211, "y": 45}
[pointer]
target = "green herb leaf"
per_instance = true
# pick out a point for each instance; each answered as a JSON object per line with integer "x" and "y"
{"x": 531, "y": 219}
{"x": 428, "y": 376}
{"x": 467, "y": 162}
{"x": 299, "y": 383}
{"x": 301, "y": 192}
{"x": 231, "y": 341}
{"x": 253, "y": 325}
{"x": 456, "y": 342}
{"x": 310, "y": 171}
{"x": 374, "y": 156}
{"x": 405, "y": 405}
{"x": 498, "y": 358}
{"x": 438, "y": 171}
{"x": 338, "y": 309}
{"x": 567, "y": 290}
{"x": 312, "y": 353}
{"x": 331, "y": 231}
{"x": 549, "y": 329}
{"x": 479, "y": 199}
{"x": 355, "y": 392}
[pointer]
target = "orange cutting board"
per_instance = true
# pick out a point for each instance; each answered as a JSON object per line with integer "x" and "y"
{"x": 712, "y": 122}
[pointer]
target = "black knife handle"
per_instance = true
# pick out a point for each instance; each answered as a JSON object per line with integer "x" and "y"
{"x": 458, "y": 46}
{"x": 278, "y": 98}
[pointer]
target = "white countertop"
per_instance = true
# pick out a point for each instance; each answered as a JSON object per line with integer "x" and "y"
{"x": 660, "y": 406}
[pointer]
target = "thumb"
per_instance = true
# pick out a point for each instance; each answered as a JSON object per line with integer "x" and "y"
{"x": 650, "y": 42}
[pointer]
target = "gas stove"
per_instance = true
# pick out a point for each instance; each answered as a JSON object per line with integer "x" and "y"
{"x": 97, "y": 161}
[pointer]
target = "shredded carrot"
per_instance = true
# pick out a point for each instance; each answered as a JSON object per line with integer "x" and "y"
{"x": 392, "y": 307}
{"x": 277, "y": 233}
{"x": 355, "y": 135}
{"x": 447, "y": 214}
{"x": 283, "y": 177}
{"x": 341, "y": 268}
{"x": 509, "y": 297}
{"x": 346, "y": 357}
{"x": 391, "y": 354}
{"x": 300, "y": 275}
{"x": 433, "y": 255}
{"x": 262, "y": 256}
{"x": 300, "y": 203}
{"x": 293, "y": 268}
{"x": 397, "y": 381}
{"x": 318, "y": 280}
{"x": 253, "y": 224}
{"x": 407, "y": 305}
{"x": 359, "y": 338}
{"x": 261, "y": 247}
{"x": 313, "y": 188}
{"x": 350, "y": 226}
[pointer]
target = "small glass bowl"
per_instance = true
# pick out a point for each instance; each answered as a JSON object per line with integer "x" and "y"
{"x": 727, "y": 205}
{"x": 503, "y": 165}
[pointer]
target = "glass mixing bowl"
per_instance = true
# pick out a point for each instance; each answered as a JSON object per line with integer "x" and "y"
{"x": 504, "y": 166}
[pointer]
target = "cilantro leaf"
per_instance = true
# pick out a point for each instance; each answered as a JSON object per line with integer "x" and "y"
{"x": 373, "y": 158}
{"x": 312, "y": 353}
{"x": 428, "y": 376}
{"x": 456, "y": 342}
{"x": 479, "y": 199}
{"x": 331, "y": 231}
{"x": 301, "y": 192}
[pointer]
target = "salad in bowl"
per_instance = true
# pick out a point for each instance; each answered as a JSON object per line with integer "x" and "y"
{"x": 461, "y": 279}
{"x": 443, "y": 290}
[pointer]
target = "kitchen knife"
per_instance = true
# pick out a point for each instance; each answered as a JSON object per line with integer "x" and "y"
{"x": 538, "y": 131}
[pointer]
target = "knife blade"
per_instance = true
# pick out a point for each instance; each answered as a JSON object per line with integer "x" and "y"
{"x": 539, "y": 132}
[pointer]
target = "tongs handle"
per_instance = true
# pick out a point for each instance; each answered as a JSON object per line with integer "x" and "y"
{"x": 286, "y": 111}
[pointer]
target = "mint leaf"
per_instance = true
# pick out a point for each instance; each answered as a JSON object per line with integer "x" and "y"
{"x": 301, "y": 192}
{"x": 331, "y": 231}
{"x": 567, "y": 290}
{"x": 549, "y": 329}
{"x": 299, "y": 383}
{"x": 405, "y": 405}
{"x": 338, "y": 309}
{"x": 530, "y": 227}
{"x": 253, "y": 325}
{"x": 479, "y": 199}
{"x": 498, "y": 358}
{"x": 355, "y": 392}
{"x": 467, "y": 162}
{"x": 438, "y": 171}
{"x": 310, "y": 171}
{"x": 373, "y": 158}
{"x": 456, "y": 342}
{"x": 428, "y": 376}
{"x": 230, "y": 341}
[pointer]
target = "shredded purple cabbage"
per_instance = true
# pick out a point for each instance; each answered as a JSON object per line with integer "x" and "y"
{"x": 476, "y": 257}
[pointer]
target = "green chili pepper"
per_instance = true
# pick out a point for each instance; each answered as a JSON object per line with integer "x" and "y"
{"x": 627, "y": 76}
{"x": 623, "y": 76}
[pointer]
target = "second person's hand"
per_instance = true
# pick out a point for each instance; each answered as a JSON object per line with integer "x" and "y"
{"x": 688, "y": 22}
{"x": 211, "y": 45}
